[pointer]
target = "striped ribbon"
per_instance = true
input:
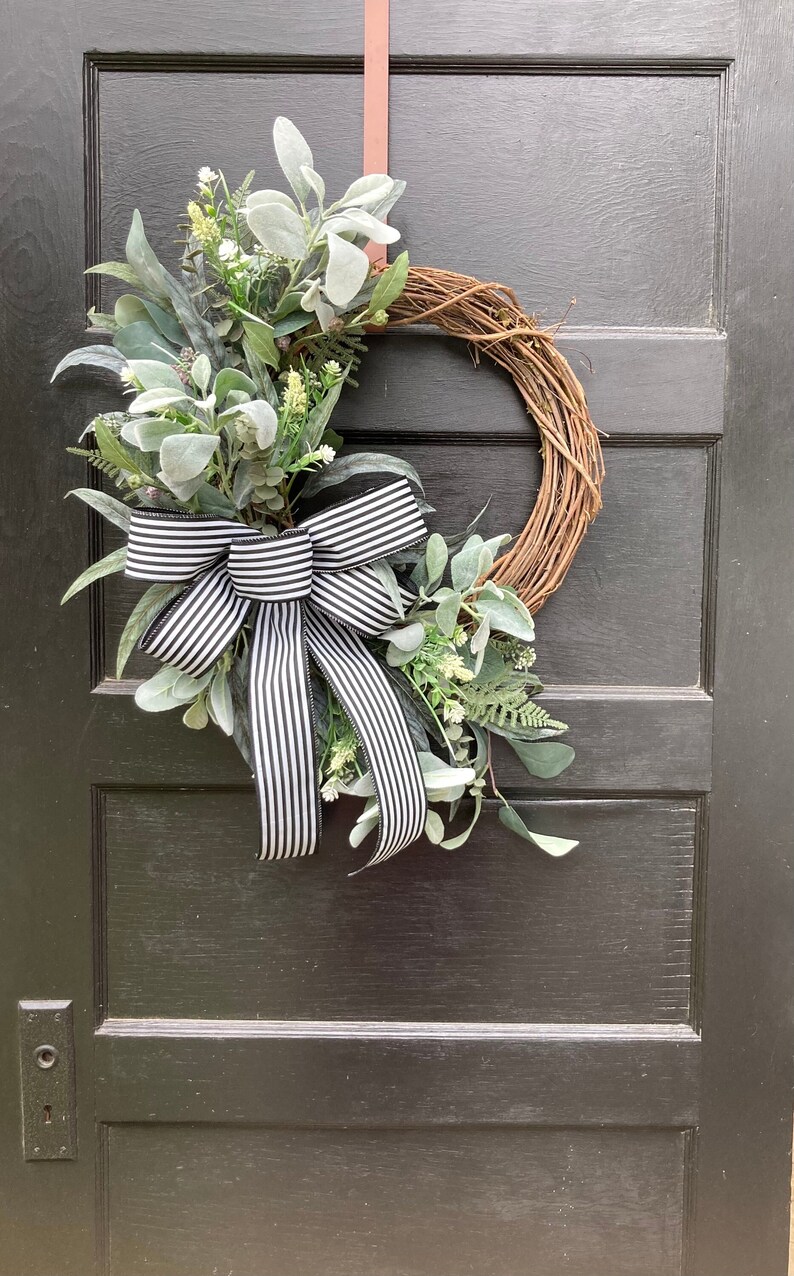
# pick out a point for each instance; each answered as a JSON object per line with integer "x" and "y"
{"x": 310, "y": 590}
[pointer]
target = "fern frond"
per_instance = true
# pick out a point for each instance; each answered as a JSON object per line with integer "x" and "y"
{"x": 238, "y": 197}
{"x": 347, "y": 348}
{"x": 95, "y": 458}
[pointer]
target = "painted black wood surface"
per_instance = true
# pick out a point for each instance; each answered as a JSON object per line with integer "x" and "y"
{"x": 481, "y": 1063}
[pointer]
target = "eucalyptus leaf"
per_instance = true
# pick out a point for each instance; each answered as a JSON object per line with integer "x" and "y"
{"x": 143, "y": 341}
{"x": 544, "y": 759}
{"x": 551, "y": 845}
{"x": 347, "y": 269}
{"x": 279, "y": 230}
{"x": 143, "y": 613}
{"x": 356, "y": 463}
{"x": 111, "y": 509}
{"x": 103, "y": 358}
{"x": 453, "y": 843}
{"x": 169, "y": 688}
{"x": 185, "y": 456}
{"x": 212, "y": 501}
{"x": 293, "y": 153}
{"x": 105, "y": 567}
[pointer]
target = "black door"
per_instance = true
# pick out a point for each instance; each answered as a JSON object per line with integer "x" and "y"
{"x": 485, "y": 1062}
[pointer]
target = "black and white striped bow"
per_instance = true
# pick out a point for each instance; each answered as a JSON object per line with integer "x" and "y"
{"x": 308, "y": 589}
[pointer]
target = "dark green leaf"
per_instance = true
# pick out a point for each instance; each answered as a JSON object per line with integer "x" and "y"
{"x": 544, "y": 759}
{"x": 347, "y": 467}
{"x": 262, "y": 342}
{"x": 104, "y": 358}
{"x": 390, "y": 284}
{"x": 143, "y": 341}
{"x": 551, "y": 845}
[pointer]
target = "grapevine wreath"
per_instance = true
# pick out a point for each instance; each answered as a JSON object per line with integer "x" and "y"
{"x": 344, "y": 648}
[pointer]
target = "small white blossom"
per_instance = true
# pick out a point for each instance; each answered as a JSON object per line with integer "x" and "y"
{"x": 127, "y": 376}
{"x": 453, "y": 712}
{"x": 329, "y": 791}
{"x": 206, "y": 175}
{"x": 326, "y": 454}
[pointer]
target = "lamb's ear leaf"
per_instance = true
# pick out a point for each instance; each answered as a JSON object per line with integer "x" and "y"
{"x": 105, "y": 567}
{"x": 346, "y": 467}
{"x": 104, "y": 358}
{"x": 292, "y": 151}
{"x": 111, "y": 509}
{"x": 142, "y": 259}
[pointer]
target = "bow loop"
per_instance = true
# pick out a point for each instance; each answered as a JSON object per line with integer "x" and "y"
{"x": 272, "y": 569}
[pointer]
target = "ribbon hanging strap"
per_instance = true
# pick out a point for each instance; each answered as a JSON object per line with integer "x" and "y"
{"x": 310, "y": 590}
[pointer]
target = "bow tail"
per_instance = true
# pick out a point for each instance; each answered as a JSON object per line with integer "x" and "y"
{"x": 282, "y": 732}
{"x": 372, "y": 706}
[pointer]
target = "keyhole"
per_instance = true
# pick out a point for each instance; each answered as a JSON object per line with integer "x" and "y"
{"x": 48, "y": 1114}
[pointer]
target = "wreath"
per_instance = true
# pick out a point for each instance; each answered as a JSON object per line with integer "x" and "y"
{"x": 344, "y": 648}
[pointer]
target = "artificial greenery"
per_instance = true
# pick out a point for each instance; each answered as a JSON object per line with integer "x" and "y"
{"x": 233, "y": 369}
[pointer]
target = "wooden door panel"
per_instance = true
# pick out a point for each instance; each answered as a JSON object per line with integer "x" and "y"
{"x": 638, "y": 579}
{"x": 194, "y": 928}
{"x": 190, "y": 1202}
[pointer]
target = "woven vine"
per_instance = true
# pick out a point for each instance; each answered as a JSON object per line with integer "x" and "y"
{"x": 491, "y": 319}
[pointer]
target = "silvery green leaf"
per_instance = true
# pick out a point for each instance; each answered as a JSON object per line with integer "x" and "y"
{"x": 182, "y": 491}
{"x": 363, "y": 223}
{"x": 440, "y": 777}
{"x": 143, "y": 260}
{"x": 551, "y": 845}
{"x": 434, "y": 828}
{"x": 201, "y": 372}
{"x": 211, "y": 501}
{"x": 105, "y": 358}
{"x": 311, "y": 297}
{"x": 157, "y": 400}
{"x": 221, "y": 702}
{"x": 167, "y": 689}
{"x": 143, "y": 613}
{"x": 480, "y": 639}
{"x": 367, "y": 190}
{"x": 325, "y": 314}
{"x": 347, "y": 269}
{"x": 130, "y": 309}
{"x": 111, "y": 509}
{"x": 314, "y": 180}
{"x": 406, "y": 637}
{"x": 544, "y": 759}
{"x": 143, "y": 341}
{"x": 447, "y": 613}
{"x": 155, "y": 375}
{"x": 292, "y": 152}
{"x": 346, "y": 467}
{"x": 229, "y": 379}
{"x": 243, "y": 487}
{"x": 453, "y": 843}
{"x": 148, "y": 433}
{"x": 279, "y": 230}
{"x": 395, "y": 656}
{"x": 196, "y": 716}
{"x": 385, "y": 574}
{"x": 270, "y": 197}
{"x": 363, "y": 826}
{"x": 260, "y": 339}
{"x": 504, "y": 617}
{"x": 476, "y": 558}
{"x": 105, "y": 567}
{"x": 264, "y": 420}
{"x": 385, "y": 205}
{"x": 436, "y": 556}
{"x": 185, "y": 456}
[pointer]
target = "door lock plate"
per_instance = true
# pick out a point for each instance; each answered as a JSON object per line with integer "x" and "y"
{"x": 46, "y": 1056}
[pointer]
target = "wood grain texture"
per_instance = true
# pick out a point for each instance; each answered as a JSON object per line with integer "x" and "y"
{"x": 195, "y": 928}
{"x": 640, "y": 566}
{"x": 287, "y": 1203}
{"x": 318, "y": 1080}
